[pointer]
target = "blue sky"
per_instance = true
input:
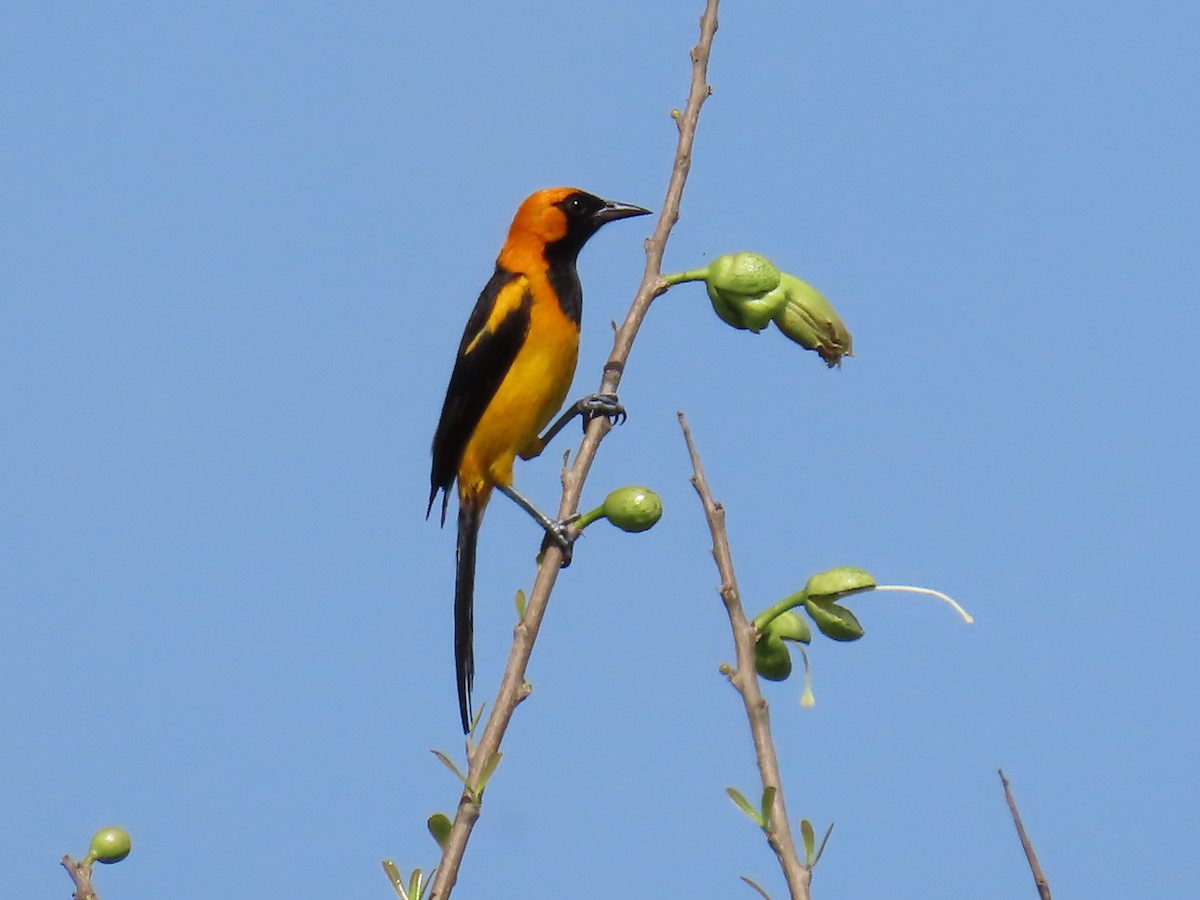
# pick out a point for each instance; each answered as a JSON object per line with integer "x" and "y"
{"x": 240, "y": 243}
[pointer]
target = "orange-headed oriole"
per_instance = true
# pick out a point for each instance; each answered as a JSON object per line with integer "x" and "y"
{"x": 514, "y": 367}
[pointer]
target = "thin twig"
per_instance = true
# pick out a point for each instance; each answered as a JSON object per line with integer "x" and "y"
{"x": 81, "y": 874}
{"x": 1039, "y": 879}
{"x": 745, "y": 680}
{"x": 512, "y": 683}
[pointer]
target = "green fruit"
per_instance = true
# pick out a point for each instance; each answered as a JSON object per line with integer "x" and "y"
{"x": 745, "y": 273}
{"x": 744, "y": 290}
{"x": 633, "y": 508}
{"x": 110, "y": 845}
{"x": 835, "y": 621}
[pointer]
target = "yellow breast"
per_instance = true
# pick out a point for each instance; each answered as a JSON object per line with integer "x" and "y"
{"x": 530, "y": 394}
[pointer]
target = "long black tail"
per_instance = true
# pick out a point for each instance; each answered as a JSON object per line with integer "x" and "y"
{"x": 470, "y": 516}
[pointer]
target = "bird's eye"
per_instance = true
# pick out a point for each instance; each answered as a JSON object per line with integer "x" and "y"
{"x": 577, "y": 205}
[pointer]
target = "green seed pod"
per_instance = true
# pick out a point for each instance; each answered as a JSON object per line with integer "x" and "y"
{"x": 833, "y": 620}
{"x": 771, "y": 658}
{"x": 633, "y": 508}
{"x": 811, "y": 321}
{"x": 110, "y": 845}
{"x": 743, "y": 290}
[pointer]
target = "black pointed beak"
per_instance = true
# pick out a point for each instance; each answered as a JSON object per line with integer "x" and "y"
{"x": 612, "y": 210}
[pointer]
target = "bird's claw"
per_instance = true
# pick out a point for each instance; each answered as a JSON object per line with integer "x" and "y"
{"x": 606, "y": 405}
{"x": 561, "y": 535}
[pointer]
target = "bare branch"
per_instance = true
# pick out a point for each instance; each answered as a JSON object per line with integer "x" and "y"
{"x": 512, "y": 685}
{"x": 745, "y": 680}
{"x": 1039, "y": 879}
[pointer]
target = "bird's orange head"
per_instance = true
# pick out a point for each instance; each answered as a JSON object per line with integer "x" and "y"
{"x": 555, "y": 223}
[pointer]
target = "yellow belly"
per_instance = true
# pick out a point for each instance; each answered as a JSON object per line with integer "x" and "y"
{"x": 530, "y": 394}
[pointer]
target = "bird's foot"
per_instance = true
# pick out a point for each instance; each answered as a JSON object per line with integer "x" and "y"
{"x": 562, "y": 535}
{"x": 606, "y": 405}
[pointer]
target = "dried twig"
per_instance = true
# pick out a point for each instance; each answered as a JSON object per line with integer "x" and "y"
{"x": 745, "y": 680}
{"x": 512, "y": 684}
{"x": 1039, "y": 879}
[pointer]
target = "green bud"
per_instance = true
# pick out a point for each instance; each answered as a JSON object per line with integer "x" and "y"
{"x": 771, "y": 658}
{"x": 110, "y": 845}
{"x": 743, "y": 288}
{"x": 836, "y": 582}
{"x": 834, "y": 620}
{"x": 633, "y": 508}
{"x": 811, "y": 321}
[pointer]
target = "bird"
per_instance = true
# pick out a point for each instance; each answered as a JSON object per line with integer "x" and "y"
{"x": 514, "y": 367}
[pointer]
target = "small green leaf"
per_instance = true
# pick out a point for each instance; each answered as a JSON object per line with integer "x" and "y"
{"x": 768, "y": 805}
{"x": 520, "y": 599}
{"x": 752, "y": 884}
{"x": 450, "y": 765}
{"x": 744, "y": 805}
{"x": 394, "y": 876}
{"x": 477, "y": 717}
{"x": 821, "y": 847}
{"x": 490, "y": 768}
{"x": 439, "y": 826}
{"x": 806, "y": 833}
{"x": 414, "y": 885}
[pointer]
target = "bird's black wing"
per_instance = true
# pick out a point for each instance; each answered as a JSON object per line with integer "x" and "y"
{"x": 494, "y": 335}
